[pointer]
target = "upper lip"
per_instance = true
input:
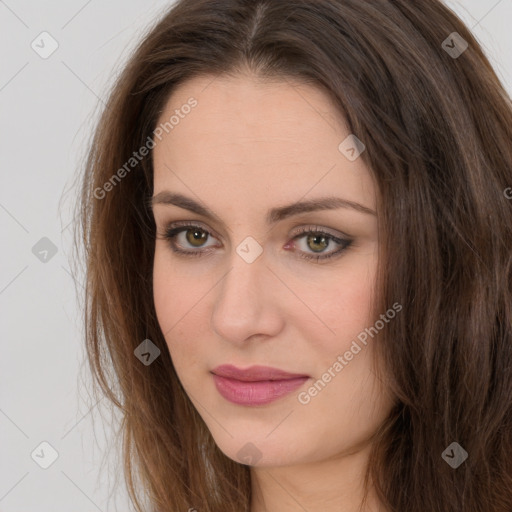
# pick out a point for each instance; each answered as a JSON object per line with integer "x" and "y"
{"x": 254, "y": 373}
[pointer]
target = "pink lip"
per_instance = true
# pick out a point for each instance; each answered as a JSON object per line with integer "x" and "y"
{"x": 257, "y": 385}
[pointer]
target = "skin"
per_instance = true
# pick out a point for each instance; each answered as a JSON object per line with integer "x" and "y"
{"x": 249, "y": 146}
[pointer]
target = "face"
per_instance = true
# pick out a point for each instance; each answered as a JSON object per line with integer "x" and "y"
{"x": 240, "y": 278}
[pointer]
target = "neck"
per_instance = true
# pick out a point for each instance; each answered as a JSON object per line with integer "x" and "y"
{"x": 335, "y": 484}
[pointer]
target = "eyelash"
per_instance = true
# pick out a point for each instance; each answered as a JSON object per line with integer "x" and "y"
{"x": 174, "y": 229}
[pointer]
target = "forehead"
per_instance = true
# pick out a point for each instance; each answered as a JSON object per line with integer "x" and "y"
{"x": 276, "y": 140}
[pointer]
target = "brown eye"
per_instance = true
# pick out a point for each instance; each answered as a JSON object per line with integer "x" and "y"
{"x": 185, "y": 239}
{"x": 317, "y": 242}
{"x": 196, "y": 236}
{"x": 313, "y": 243}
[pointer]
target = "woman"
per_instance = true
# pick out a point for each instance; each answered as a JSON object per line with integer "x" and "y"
{"x": 298, "y": 240}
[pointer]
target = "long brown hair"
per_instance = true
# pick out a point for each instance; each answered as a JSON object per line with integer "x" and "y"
{"x": 437, "y": 127}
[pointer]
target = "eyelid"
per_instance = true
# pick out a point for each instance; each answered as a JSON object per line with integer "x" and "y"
{"x": 344, "y": 241}
{"x": 295, "y": 232}
{"x": 192, "y": 223}
{"x": 335, "y": 234}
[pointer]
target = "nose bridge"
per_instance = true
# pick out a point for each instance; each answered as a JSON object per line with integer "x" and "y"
{"x": 240, "y": 287}
{"x": 243, "y": 306}
{"x": 248, "y": 265}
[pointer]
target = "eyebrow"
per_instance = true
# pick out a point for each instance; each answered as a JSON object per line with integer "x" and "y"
{"x": 274, "y": 215}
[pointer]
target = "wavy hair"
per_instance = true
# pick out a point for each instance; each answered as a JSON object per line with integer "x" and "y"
{"x": 437, "y": 127}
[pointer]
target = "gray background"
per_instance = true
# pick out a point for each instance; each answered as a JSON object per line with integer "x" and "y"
{"x": 48, "y": 110}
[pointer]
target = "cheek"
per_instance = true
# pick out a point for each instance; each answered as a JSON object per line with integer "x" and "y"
{"x": 164, "y": 284}
{"x": 177, "y": 293}
{"x": 174, "y": 299}
{"x": 344, "y": 303}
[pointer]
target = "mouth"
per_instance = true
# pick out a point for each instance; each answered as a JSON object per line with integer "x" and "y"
{"x": 255, "y": 373}
{"x": 257, "y": 385}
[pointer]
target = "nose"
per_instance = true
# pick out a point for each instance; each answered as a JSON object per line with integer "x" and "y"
{"x": 247, "y": 303}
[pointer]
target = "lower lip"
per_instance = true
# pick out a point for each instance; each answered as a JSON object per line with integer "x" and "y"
{"x": 255, "y": 393}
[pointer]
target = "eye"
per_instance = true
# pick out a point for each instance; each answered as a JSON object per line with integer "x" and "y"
{"x": 317, "y": 240}
{"x": 185, "y": 239}
{"x": 188, "y": 236}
